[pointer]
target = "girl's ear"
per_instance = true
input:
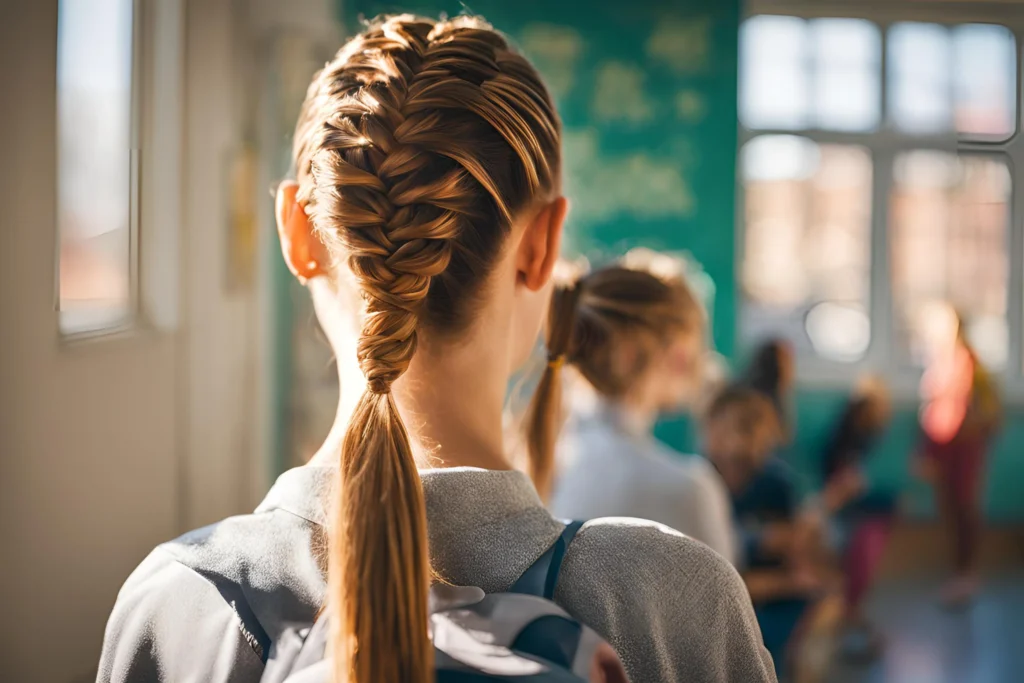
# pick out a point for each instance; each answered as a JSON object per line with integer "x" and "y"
{"x": 541, "y": 244}
{"x": 303, "y": 251}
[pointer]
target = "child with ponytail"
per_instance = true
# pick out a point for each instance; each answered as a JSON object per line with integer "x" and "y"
{"x": 637, "y": 340}
{"x": 427, "y": 190}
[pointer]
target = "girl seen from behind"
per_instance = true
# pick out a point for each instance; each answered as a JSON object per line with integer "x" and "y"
{"x": 637, "y": 341}
{"x": 427, "y": 157}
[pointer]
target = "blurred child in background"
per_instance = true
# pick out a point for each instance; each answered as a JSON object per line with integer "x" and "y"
{"x": 860, "y": 516}
{"x": 770, "y": 492}
{"x": 772, "y": 372}
{"x": 637, "y": 341}
{"x": 740, "y": 432}
{"x": 961, "y": 413}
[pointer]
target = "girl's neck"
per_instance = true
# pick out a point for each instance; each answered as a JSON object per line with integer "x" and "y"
{"x": 632, "y": 416}
{"x": 451, "y": 404}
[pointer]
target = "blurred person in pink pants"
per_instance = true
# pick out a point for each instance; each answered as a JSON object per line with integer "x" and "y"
{"x": 960, "y": 415}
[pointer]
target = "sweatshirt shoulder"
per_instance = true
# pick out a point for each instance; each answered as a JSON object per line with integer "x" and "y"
{"x": 635, "y": 550}
{"x": 169, "y": 618}
{"x": 213, "y": 600}
{"x": 671, "y": 606}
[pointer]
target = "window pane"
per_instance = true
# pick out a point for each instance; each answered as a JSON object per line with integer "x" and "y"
{"x": 920, "y": 92}
{"x": 950, "y": 230}
{"x": 846, "y": 88}
{"x": 94, "y": 47}
{"x": 774, "y": 80}
{"x": 985, "y": 80}
{"x": 807, "y": 244}
{"x": 797, "y": 74}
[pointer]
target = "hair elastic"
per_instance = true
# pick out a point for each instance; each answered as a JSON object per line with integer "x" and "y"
{"x": 556, "y": 362}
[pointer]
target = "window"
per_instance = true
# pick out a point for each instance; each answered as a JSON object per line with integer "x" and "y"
{"x": 985, "y": 81}
{"x": 919, "y": 78}
{"x": 860, "y": 211}
{"x": 807, "y": 242}
{"x": 949, "y": 232}
{"x": 799, "y": 74}
{"x": 95, "y": 166}
{"x": 961, "y": 78}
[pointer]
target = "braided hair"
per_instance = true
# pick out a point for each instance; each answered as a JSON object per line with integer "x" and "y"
{"x": 416, "y": 148}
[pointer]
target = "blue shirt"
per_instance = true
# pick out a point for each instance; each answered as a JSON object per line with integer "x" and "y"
{"x": 771, "y": 496}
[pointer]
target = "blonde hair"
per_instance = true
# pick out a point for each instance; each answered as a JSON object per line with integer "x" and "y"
{"x": 588, "y": 320}
{"x": 416, "y": 148}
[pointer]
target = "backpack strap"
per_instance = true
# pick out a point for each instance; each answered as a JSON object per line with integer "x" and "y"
{"x": 541, "y": 578}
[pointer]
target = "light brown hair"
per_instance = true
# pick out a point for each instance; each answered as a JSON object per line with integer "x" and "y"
{"x": 588, "y": 321}
{"x": 416, "y": 148}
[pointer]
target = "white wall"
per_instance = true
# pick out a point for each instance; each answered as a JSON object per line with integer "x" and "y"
{"x": 225, "y": 356}
{"x": 88, "y": 446}
{"x": 111, "y": 446}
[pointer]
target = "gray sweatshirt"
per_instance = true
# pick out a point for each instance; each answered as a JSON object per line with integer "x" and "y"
{"x": 672, "y": 608}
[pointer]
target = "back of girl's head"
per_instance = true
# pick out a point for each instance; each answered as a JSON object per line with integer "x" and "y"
{"x": 423, "y": 140}
{"x": 617, "y": 305}
{"x": 872, "y": 393}
{"x": 766, "y": 371}
{"x": 591, "y": 320}
{"x": 416, "y": 148}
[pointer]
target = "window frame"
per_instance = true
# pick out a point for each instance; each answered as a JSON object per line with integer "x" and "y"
{"x": 884, "y": 144}
{"x": 155, "y": 191}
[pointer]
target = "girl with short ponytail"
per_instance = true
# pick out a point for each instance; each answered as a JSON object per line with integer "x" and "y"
{"x": 637, "y": 339}
{"x": 428, "y": 192}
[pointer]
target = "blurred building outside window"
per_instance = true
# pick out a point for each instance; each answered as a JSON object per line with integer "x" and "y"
{"x": 873, "y": 187}
{"x": 949, "y": 231}
{"x": 95, "y": 195}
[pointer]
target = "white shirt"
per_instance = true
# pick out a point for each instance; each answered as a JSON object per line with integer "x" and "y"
{"x": 611, "y": 468}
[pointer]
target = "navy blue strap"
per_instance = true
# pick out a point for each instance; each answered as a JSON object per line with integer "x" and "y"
{"x": 541, "y": 578}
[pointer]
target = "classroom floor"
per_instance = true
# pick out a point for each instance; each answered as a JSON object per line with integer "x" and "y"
{"x": 984, "y": 644}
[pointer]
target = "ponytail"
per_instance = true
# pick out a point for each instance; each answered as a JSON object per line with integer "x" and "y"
{"x": 544, "y": 413}
{"x": 379, "y": 566}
